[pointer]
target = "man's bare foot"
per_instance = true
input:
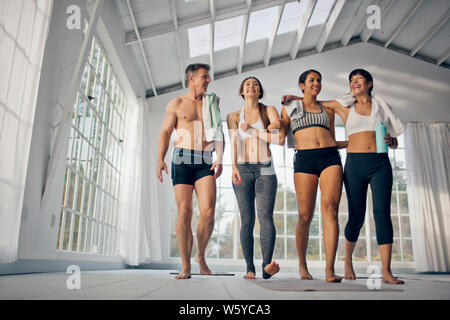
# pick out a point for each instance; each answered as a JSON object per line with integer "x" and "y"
{"x": 203, "y": 266}
{"x": 331, "y": 277}
{"x": 272, "y": 268}
{"x": 250, "y": 275}
{"x": 185, "y": 273}
{"x": 349, "y": 272}
{"x": 389, "y": 278}
{"x": 304, "y": 274}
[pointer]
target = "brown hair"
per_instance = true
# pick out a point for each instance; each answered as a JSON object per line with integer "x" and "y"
{"x": 262, "y": 107}
{"x": 192, "y": 69}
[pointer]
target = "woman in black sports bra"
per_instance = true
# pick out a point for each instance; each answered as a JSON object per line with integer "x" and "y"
{"x": 316, "y": 163}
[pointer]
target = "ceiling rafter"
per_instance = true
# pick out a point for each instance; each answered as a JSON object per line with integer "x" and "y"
{"x": 403, "y": 21}
{"x": 201, "y": 19}
{"x": 332, "y": 18}
{"x": 384, "y": 8}
{"x": 443, "y": 57}
{"x": 144, "y": 56}
{"x": 435, "y": 28}
{"x": 212, "y": 12}
{"x": 246, "y": 19}
{"x": 356, "y": 22}
{"x": 276, "y": 25}
{"x": 304, "y": 21}
{"x": 173, "y": 11}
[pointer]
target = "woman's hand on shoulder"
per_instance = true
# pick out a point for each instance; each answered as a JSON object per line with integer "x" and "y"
{"x": 287, "y": 98}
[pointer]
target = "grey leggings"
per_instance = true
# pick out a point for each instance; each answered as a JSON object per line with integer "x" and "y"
{"x": 259, "y": 183}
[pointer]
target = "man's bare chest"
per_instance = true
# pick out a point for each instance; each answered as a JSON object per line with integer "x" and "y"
{"x": 190, "y": 113}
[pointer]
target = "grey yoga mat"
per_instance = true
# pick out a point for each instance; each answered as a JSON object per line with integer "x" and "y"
{"x": 212, "y": 274}
{"x": 292, "y": 284}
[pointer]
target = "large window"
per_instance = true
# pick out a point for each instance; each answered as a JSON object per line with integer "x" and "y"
{"x": 225, "y": 243}
{"x": 89, "y": 213}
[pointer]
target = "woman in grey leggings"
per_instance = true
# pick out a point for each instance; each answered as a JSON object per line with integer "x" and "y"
{"x": 251, "y": 131}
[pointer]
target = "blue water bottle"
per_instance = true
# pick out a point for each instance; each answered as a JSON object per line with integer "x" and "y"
{"x": 380, "y": 132}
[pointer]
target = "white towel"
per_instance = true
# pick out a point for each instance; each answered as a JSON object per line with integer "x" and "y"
{"x": 393, "y": 124}
{"x": 294, "y": 109}
{"x": 212, "y": 124}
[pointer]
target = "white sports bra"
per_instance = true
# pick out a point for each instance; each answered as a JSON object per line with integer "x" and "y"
{"x": 358, "y": 123}
{"x": 258, "y": 125}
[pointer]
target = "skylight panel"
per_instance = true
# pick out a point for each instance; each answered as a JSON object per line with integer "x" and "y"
{"x": 292, "y": 13}
{"x": 321, "y": 12}
{"x": 199, "y": 40}
{"x": 227, "y": 33}
{"x": 260, "y": 24}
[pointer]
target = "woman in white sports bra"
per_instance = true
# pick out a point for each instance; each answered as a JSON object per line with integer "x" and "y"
{"x": 253, "y": 173}
{"x": 364, "y": 166}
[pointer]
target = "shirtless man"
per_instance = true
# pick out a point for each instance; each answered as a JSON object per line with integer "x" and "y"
{"x": 192, "y": 167}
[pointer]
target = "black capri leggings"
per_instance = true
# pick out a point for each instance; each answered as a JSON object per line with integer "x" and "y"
{"x": 362, "y": 169}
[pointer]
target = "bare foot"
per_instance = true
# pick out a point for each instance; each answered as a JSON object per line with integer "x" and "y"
{"x": 349, "y": 272}
{"x": 304, "y": 274}
{"x": 389, "y": 278}
{"x": 331, "y": 277}
{"x": 250, "y": 275}
{"x": 272, "y": 268}
{"x": 203, "y": 266}
{"x": 185, "y": 273}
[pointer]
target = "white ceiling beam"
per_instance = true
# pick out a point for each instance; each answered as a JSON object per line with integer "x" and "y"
{"x": 435, "y": 28}
{"x": 402, "y": 23}
{"x": 212, "y": 12}
{"x": 201, "y": 19}
{"x": 443, "y": 57}
{"x": 329, "y": 25}
{"x": 246, "y": 18}
{"x": 357, "y": 19}
{"x": 384, "y": 8}
{"x": 304, "y": 21}
{"x": 212, "y": 9}
{"x": 141, "y": 46}
{"x": 177, "y": 42}
{"x": 276, "y": 24}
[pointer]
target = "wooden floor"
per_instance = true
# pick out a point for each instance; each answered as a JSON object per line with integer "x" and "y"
{"x": 137, "y": 284}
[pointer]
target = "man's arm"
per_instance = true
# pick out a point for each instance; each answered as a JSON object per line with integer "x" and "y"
{"x": 220, "y": 147}
{"x": 169, "y": 122}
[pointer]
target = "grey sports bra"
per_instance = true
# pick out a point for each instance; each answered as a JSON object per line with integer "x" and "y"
{"x": 311, "y": 119}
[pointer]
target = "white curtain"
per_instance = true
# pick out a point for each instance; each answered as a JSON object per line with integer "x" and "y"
{"x": 139, "y": 212}
{"x": 427, "y": 149}
{"x": 23, "y": 30}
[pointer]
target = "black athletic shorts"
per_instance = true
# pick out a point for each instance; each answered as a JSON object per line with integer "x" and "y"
{"x": 190, "y": 165}
{"x": 314, "y": 161}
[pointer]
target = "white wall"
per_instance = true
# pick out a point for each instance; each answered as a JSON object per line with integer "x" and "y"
{"x": 38, "y": 236}
{"x": 416, "y": 90}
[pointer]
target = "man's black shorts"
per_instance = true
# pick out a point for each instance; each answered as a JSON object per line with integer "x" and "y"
{"x": 189, "y": 166}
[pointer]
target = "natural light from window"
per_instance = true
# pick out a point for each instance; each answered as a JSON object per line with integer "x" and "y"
{"x": 321, "y": 12}
{"x": 198, "y": 40}
{"x": 292, "y": 13}
{"x": 260, "y": 24}
{"x": 227, "y": 33}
